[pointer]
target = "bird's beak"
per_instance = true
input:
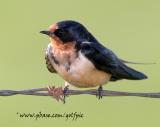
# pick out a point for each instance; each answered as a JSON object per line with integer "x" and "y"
{"x": 50, "y": 34}
{"x": 46, "y": 32}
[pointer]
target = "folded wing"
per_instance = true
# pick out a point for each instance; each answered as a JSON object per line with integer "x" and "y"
{"x": 105, "y": 60}
{"x": 48, "y": 61}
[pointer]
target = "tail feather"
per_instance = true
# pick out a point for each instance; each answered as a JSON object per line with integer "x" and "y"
{"x": 125, "y": 72}
{"x": 129, "y": 62}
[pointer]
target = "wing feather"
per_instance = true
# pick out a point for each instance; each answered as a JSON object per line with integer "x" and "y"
{"x": 48, "y": 61}
{"x": 104, "y": 59}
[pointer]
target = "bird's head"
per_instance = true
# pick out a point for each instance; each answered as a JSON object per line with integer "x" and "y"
{"x": 68, "y": 31}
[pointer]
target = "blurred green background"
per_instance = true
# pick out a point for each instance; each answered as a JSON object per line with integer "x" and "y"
{"x": 130, "y": 28}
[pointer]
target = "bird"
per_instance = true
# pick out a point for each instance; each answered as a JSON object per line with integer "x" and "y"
{"x": 81, "y": 60}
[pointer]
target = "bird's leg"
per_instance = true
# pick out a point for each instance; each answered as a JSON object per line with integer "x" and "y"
{"x": 100, "y": 92}
{"x": 55, "y": 92}
{"x": 66, "y": 88}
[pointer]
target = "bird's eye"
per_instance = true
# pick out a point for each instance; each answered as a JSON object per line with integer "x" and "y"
{"x": 64, "y": 35}
{"x": 60, "y": 32}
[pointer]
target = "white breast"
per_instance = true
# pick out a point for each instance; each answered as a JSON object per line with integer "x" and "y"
{"x": 82, "y": 73}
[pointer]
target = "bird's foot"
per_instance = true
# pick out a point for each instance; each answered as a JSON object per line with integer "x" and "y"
{"x": 56, "y": 93}
{"x": 65, "y": 90}
{"x": 100, "y": 92}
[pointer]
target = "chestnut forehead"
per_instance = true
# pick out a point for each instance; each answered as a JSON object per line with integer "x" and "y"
{"x": 53, "y": 27}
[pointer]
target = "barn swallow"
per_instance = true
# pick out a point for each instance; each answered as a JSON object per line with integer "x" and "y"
{"x": 81, "y": 60}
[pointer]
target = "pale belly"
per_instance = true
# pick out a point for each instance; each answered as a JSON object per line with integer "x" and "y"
{"x": 82, "y": 73}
